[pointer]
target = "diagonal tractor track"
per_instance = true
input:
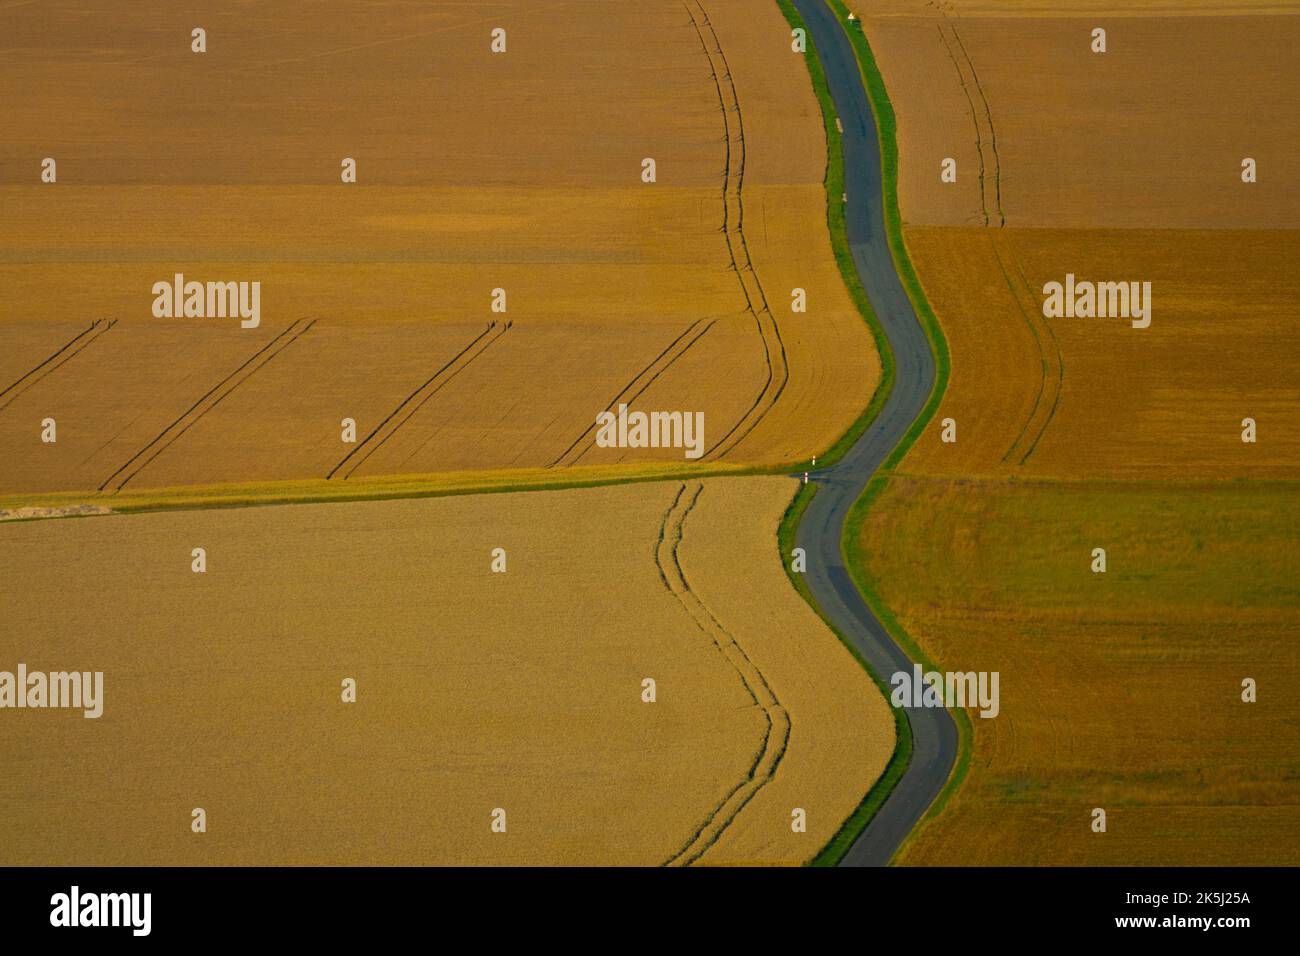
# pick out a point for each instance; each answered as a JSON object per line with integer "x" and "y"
{"x": 629, "y": 393}
{"x": 210, "y": 399}
{"x": 64, "y": 354}
{"x": 417, "y": 399}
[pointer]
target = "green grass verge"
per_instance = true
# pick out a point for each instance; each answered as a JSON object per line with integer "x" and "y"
{"x": 382, "y": 488}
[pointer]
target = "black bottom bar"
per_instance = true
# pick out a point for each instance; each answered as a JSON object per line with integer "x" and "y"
{"x": 965, "y": 907}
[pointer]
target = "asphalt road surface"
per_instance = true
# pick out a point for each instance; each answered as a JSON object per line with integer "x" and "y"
{"x": 934, "y": 735}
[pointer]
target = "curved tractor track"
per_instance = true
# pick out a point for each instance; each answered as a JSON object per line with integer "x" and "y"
{"x": 776, "y": 733}
{"x": 820, "y": 532}
{"x": 733, "y": 231}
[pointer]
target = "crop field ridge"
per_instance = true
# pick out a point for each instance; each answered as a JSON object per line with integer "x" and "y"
{"x": 94, "y": 330}
{"x": 443, "y": 377}
{"x": 210, "y": 400}
{"x": 777, "y": 720}
{"x": 657, "y": 366}
{"x": 733, "y": 182}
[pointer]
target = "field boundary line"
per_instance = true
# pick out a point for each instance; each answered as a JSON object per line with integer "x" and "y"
{"x": 316, "y": 491}
{"x": 777, "y": 718}
{"x": 95, "y": 330}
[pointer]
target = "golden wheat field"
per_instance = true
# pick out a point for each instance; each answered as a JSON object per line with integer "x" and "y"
{"x": 475, "y": 690}
{"x": 1077, "y": 397}
{"x": 379, "y": 299}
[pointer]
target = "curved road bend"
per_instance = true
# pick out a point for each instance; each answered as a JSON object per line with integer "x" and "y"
{"x": 934, "y": 735}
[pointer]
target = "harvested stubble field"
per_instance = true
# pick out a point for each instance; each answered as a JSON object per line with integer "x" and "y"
{"x": 1150, "y": 134}
{"x": 1119, "y": 690}
{"x": 522, "y": 173}
{"x": 475, "y": 690}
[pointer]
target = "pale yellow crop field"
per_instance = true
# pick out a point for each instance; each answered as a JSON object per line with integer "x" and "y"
{"x": 475, "y": 690}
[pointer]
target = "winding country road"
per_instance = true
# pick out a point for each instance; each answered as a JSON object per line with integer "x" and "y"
{"x": 934, "y": 733}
